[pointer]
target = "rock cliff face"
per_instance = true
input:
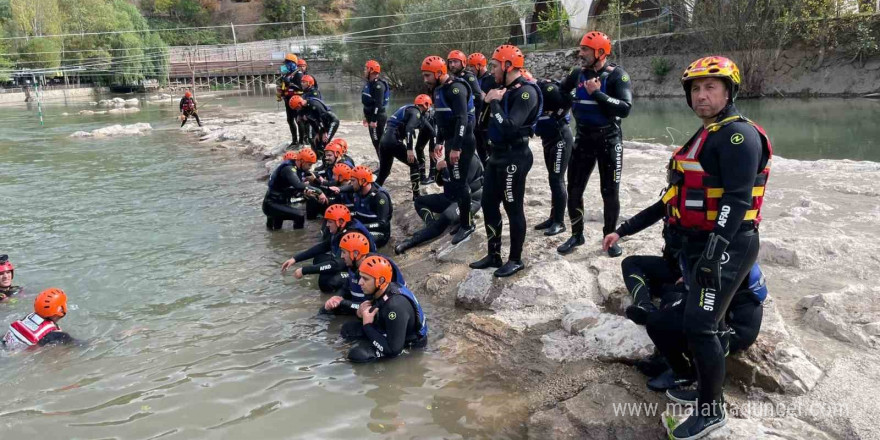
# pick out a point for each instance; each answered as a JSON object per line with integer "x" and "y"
{"x": 557, "y": 330}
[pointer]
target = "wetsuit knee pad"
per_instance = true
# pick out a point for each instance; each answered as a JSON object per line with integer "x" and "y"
{"x": 362, "y": 353}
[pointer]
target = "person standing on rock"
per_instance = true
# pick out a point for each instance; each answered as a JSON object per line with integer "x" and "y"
{"x": 514, "y": 110}
{"x": 602, "y": 97}
{"x": 375, "y": 98}
{"x": 454, "y": 119}
{"x": 322, "y": 121}
{"x": 486, "y": 80}
{"x": 457, "y": 62}
{"x": 188, "y": 107}
{"x": 716, "y": 189}
{"x": 397, "y": 142}
{"x": 556, "y": 139}
{"x": 290, "y": 85}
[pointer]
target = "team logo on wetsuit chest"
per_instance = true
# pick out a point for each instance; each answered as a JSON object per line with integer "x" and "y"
{"x": 737, "y": 139}
{"x": 392, "y": 316}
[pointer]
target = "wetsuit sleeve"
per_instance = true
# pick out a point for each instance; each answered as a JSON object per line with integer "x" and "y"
{"x": 523, "y": 102}
{"x": 475, "y": 87}
{"x": 738, "y": 166}
{"x": 392, "y": 342}
{"x": 413, "y": 121}
{"x": 332, "y": 265}
{"x": 571, "y": 80}
{"x": 382, "y": 224}
{"x": 56, "y": 337}
{"x": 377, "y": 91}
{"x": 618, "y": 101}
{"x": 642, "y": 220}
{"x": 293, "y": 179}
{"x": 296, "y": 81}
{"x": 458, "y": 102}
{"x": 331, "y": 123}
{"x": 321, "y": 248}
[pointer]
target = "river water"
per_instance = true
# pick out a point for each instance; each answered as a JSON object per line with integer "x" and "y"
{"x": 191, "y": 331}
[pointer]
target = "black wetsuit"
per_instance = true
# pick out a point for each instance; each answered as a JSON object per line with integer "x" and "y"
{"x": 476, "y": 89}
{"x": 736, "y": 166}
{"x": 291, "y": 84}
{"x": 455, "y": 131}
{"x": 188, "y": 108}
{"x": 397, "y": 141}
{"x": 599, "y": 140}
{"x": 326, "y": 259}
{"x": 510, "y": 125}
{"x": 373, "y": 100}
{"x": 305, "y": 131}
{"x": 395, "y": 328}
{"x": 321, "y": 121}
{"x": 9, "y": 292}
{"x": 439, "y": 211}
{"x": 555, "y": 133}
{"x": 487, "y": 82}
{"x": 284, "y": 183}
{"x": 374, "y": 210}
{"x": 427, "y": 134}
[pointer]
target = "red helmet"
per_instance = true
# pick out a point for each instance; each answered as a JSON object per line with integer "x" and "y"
{"x": 307, "y": 155}
{"x": 342, "y": 143}
{"x": 291, "y": 155}
{"x": 597, "y": 41}
{"x": 337, "y": 213}
{"x": 362, "y": 174}
{"x": 308, "y": 81}
{"x": 301, "y": 62}
{"x": 51, "y": 302}
{"x": 379, "y": 268}
{"x": 187, "y": 94}
{"x": 477, "y": 60}
{"x": 356, "y": 244}
{"x": 509, "y": 53}
{"x": 297, "y": 102}
{"x": 457, "y": 55}
{"x": 373, "y": 66}
{"x": 435, "y": 65}
{"x": 342, "y": 172}
{"x": 423, "y": 100}
{"x": 6, "y": 266}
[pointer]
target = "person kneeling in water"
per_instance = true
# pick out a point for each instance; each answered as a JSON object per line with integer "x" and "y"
{"x": 41, "y": 327}
{"x": 392, "y": 321}
{"x": 7, "y": 273}
{"x": 355, "y": 249}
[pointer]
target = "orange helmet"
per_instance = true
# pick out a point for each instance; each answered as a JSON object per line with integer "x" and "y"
{"x": 291, "y": 57}
{"x": 291, "y": 155}
{"x": 308, "y": 81}
{"x": 297, "y": 102}
{"x": 301, "y": 63}
{"x": 509, "y": 53}
{"x": 379, "y": 268}
{"x": 423, "y": 100}
{"x": 335, "y": 148}
{"x": 187, "y": 94}
{"x": 342, "y": 143}
{"x": 342, "y": 172}
{"x": 597, "y": 41}
{"x": 307, "y": 155}
{"x": 373, "y": 66}
{"x": 477, "y": 60}
{"x": 337, "y": 213}
{"x": 457, "y": 55}
{"x": 528, "y": 75}
{"x": 51, "y": 302}
{"x": 435, "y": 65}
{"x": 362, "y": 174}
{"x": 356, "y": 244}
{"x": 712, "y": 67}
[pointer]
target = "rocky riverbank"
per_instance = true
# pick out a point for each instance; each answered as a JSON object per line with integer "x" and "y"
{"x": 556, "y": 330}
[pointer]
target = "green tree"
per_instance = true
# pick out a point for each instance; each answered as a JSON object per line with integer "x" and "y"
{"x": 291, "y": 11}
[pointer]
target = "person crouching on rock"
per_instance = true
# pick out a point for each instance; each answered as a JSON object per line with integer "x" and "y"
{"x": 326, "y": 255}
{"x": 188, "y": 107}
{"x": 319, "y": 117}
{"x": 391, "y": 322}
{"x": 7, "y": 273}
{"x": 40, "y": 328}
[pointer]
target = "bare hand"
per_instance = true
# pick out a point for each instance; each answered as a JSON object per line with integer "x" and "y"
{"x": 364, "y": 122}
{"x": 610, "y": 240}
{"x": 592, "y": 85}
{"x": 494, "y": 95}
{"x": 454, "y": 155}
{"x": 410, "y": 157}
{"x": 287, "y": 264}
{"x": 441, "y": 164}
{"x": 438, "y": 151}
{"x": 326, "y": 137}
{"x": 332, "y": 303}
{"x": 363, "y": 308}
{"x": 374, "y": 124}
{"x": 322, "y": 199}
{"x": 335, "y": 189}
{"x": 298, "y": 274}
{"x": 370, "y": 316}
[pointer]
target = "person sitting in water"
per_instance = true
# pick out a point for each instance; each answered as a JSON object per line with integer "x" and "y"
{"x": 338, "y": 222}
{"x": 7, "y": 273}
{"x": 285, "y": 182}
{"x": 372, "y": 203}
{"x": 391, "y": 321}
{"x": 355, "y": 248}
{"x": 188, "y": 107}
{"x": 40, "y": 327}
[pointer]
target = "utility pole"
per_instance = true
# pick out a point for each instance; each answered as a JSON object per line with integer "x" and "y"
{"x": 304, "y": 22}
{"x": 235, "y": 46}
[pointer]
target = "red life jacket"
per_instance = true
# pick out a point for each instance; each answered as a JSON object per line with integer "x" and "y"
{"x": 189, "y": 105}
{"x": 28, "y": 331}
{"x": 693, "y": 194}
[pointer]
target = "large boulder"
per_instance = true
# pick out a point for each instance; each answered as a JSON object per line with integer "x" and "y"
{"x": 842, "y": 314}
{"x": 588, "y": 333}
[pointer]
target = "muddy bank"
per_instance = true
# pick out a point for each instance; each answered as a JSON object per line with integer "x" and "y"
{"x": 557, "y": 332}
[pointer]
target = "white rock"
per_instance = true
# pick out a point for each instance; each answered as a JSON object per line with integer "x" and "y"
{"x": 133, "y": 102}
{"x": 86, "y": 112}
{"x": 138, "y": 129}
{"x": 592, "y": 334}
